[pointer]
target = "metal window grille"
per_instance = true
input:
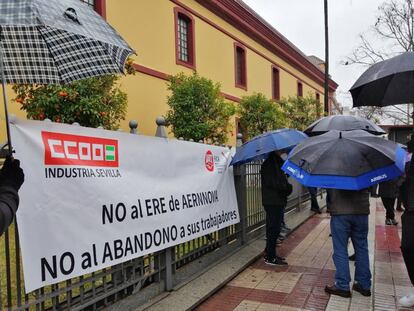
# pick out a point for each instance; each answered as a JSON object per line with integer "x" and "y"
{"x": 183, "y": 39}
{"x": 89, "y": 2}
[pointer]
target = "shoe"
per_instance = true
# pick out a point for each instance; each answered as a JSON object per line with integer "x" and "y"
{"x": 285, "y": 229}
{"x": 277, "y": 261}
{"x": 407, "y": 301}
{"x": 317, "y": 211}
{"x": 336, "y": 291}
{"x": 352, "y": 257}
{"x": 388, "y": 222}
{"x": 278, "y": 257}
{"x": 394, "y": 222}
{"x": 364, "y": 292}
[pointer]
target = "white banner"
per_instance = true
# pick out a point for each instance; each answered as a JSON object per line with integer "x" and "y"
{"x": 94, "y": 198}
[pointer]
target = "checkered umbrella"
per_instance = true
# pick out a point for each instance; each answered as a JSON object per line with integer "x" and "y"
{"x": 56, "y": 42}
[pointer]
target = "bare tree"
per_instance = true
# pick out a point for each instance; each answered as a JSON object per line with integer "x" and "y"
{"x": 394, "y": 29}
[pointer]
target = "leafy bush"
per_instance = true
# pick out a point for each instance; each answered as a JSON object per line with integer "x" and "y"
{"x": 197, "y": 110}
{"x": 91, "y": 102}
{"x": 301, "y": 111}
{"x": 259, "y": 114}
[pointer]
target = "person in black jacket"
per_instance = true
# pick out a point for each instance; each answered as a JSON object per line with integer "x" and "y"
{"x": 11, "y": 179}
{"x": 275, "y": 190}
{"x": 407, "y": 221}
{"x": 388, "y": 191}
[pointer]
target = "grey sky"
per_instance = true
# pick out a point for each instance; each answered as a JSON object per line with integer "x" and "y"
{"x": 301, "y": 21}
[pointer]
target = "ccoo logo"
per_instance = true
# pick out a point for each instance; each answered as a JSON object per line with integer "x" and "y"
{"x": 209, "y": 161}
{"x": 66, "y": 149}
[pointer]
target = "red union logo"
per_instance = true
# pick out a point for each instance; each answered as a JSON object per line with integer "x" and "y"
{"x": 209, "y": 161}
{"x": 66, "y": 149}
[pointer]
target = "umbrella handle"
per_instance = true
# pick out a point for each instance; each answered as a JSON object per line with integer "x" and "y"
{"x": 6, "y": 112}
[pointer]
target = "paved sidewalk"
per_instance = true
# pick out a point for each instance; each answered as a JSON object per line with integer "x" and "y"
{"x": 300, "y": 286}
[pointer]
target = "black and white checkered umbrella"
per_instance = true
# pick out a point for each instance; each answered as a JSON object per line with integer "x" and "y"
{"x": 57, "y": 41}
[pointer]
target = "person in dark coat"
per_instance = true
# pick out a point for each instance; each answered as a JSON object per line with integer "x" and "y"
{"x": 349, "y": 220}
{"x": 314, "y": 200}
{"x": 407, "y": 221}
{"x": 388, "y": 191}
{"x": 275, "y": 191}
{"x": 11, "y": 179}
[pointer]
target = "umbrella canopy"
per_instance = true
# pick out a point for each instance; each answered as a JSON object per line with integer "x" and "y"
{"x": 351, "y": 160}
{"x": 390, "y": 82}
{"x": 57, "y": 41}
{"x": 259, "y": 147}
{"x": 343, "y": 123}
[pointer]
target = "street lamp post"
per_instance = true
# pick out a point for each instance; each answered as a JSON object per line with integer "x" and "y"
{"x": 326, "y": 84}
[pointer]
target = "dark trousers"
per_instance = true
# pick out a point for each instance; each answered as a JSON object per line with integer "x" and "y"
{"x": 314, "y": 200}
{"x": 273, "y": 224}
{"x": 407, "y": 242}
{"x": 389, "y": 207}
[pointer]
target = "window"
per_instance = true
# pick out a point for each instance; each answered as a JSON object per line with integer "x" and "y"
{"x": 98, "y": 5}
{"x": 300, "y": 89}
{"x": 89, "y": 2}
{"x": 275, "y": 84}
{"x": 184, "y": 39}
{"x": 240, "y": 66}
{"x": 318, "y": 97}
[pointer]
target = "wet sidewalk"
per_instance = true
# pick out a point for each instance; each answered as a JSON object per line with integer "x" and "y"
{"x": 300, "y": 286}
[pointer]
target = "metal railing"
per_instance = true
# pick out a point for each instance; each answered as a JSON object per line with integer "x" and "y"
{"x": 145, "y": 276}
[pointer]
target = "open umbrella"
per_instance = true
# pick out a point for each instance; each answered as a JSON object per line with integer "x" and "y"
{"x": 350, "y": 160}
{"x": 342, "y": 123}
{"x": 55, "y": 42}
{"x": 259, "y": 147}
{"x": 390, "y": 82}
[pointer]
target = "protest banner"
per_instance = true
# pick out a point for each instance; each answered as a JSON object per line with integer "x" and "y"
{"x": 95, "y": 198}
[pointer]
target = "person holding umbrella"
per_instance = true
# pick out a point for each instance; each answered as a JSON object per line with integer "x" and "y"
{"x": 275, "y": 190}
{"x": 407, "y": 220}
{"x": 11, "y": 179}
{"x": 388, "y": 192}
{"x": 347, "y": 163}
{"x": 349, "y": 211}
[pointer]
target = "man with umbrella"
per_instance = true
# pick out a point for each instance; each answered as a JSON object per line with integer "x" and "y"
{"x": 407, "y": 219}
{"x": 389, "y": 83}
{"x": 11, "y": 179}
{"x": 349, "y": 211}
{"x": 347, "y": 163}
{"x": 275, "y": 191}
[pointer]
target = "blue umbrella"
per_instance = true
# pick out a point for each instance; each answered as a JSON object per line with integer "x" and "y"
{"x": 351, "y": 160}
{"x": 259, "y": 147}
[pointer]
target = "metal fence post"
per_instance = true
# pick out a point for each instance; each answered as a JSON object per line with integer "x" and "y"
{"x": 133, "y": 125}
{"x": 241, "y": 191}
{"x": 169, "y": 252}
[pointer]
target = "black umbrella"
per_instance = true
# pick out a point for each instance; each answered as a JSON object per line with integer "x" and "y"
{"x": 390, "y": 82}
{"x": 349, "y": 160}
{"x": 343, "y": 123}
